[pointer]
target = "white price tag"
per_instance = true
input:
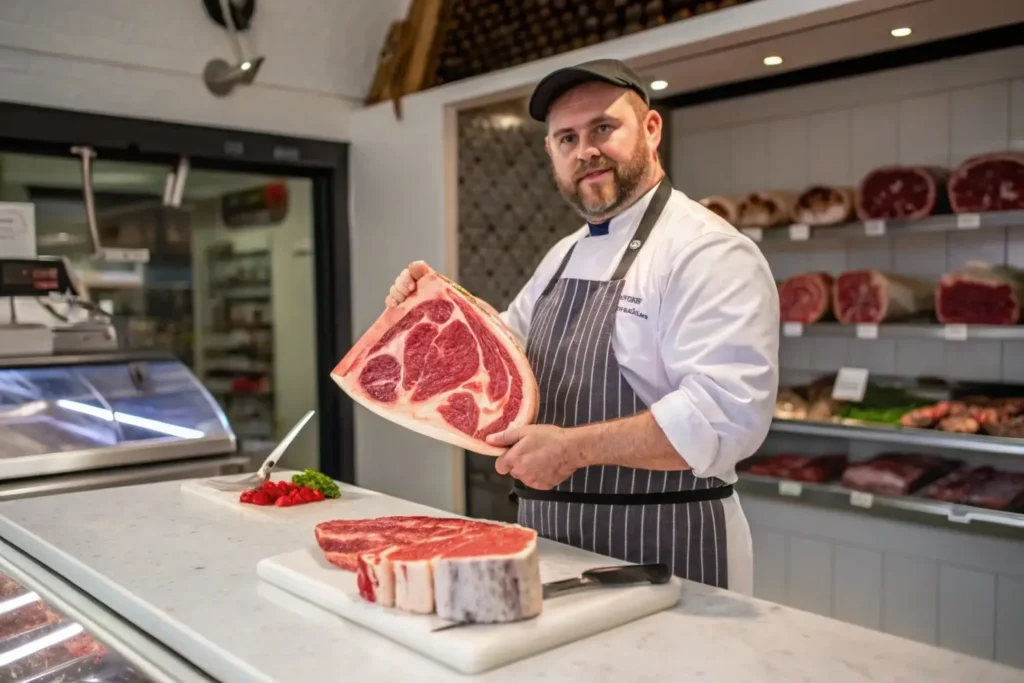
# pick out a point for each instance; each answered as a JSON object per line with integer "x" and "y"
{"x": 956, "y": 332}
{"x": 968, "y": 221}
{"x": 874, "y": 228}
{"x": 850, "y": 385}
{"x": 799, "y": 232}
{"x": 958, "y": 515}
{"x": 861, "y": 499}
{"x": 790, "y": 488}
{"x": 867, "y": 331}
{"x": 756, "y": 234}
{"x": 792, "y": 329}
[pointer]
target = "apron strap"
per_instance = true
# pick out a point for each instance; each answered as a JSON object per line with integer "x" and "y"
{"x": 643, "y": 231}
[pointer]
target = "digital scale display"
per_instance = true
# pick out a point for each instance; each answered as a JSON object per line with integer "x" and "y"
{"x": 25, "y": 277}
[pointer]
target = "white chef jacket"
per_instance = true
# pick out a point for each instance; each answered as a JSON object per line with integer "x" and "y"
{"x": 697, "y": 329}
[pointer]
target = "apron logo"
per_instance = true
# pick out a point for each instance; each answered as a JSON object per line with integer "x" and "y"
{"x": 635, "y": 244}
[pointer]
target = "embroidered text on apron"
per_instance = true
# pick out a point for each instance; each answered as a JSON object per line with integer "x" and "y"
{"x": 634, "y": 515}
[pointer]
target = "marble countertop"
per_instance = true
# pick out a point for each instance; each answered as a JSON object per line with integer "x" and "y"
{"x": 184, "y": 570}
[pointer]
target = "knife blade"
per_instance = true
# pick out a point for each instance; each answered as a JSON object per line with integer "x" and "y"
{"x": 618, "y": 575}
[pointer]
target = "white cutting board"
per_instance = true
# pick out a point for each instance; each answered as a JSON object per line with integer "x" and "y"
{"x": 479, "y": 647}
{"x": 208, "y": 495}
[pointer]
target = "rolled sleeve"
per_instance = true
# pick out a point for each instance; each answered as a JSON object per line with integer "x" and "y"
{"x": 719, "y": 337}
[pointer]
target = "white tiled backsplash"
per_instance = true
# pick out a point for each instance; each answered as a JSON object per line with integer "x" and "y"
{"x": 835, "y": 132}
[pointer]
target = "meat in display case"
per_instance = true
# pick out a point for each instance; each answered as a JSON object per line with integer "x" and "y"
{"x": 118, "y": 416}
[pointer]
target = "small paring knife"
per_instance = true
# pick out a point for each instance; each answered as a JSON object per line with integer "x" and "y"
{"x": 619, "y": 575}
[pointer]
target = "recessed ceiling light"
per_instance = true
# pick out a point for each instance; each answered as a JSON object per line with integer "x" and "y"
{"x": 659, "y": 85}
{"x": 900, "y": 32}
{"x": 774, "y": 60}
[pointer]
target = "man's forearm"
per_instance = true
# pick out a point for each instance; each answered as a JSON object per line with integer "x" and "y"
{"x": 635, "y": 441}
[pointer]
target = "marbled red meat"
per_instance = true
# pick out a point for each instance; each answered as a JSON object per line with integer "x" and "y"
{"x": 444, "y": 365}
{"x": 805, "y": 298}
{"x": 870, "y": 296}
{"x": 800, "y": 467}
{"x": 460, "y": 569}
{"x": 821, "y": 205}
{"x": 980, "y": 294}
{"x": 988, "y": 182}
{"x": 957, "y": 485}
{"x": 896, "y": 473}
{"x": 902, "y": 193}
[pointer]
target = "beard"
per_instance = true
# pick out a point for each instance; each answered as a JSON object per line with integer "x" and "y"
{"x": 596, "y": 203}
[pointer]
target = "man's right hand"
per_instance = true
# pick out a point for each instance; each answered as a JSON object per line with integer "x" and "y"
{"x": 405, "y": 283}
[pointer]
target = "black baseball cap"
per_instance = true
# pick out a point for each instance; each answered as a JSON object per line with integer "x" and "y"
{"x": 555, "y": 84}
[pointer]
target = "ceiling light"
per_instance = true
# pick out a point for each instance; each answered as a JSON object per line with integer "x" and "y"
{"x": 774, "y": 60}
{"x": 900, "y": 32}
{"x": 659, "y": 85}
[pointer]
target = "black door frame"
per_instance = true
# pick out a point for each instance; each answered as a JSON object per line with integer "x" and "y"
{"x": 42, "y": 130}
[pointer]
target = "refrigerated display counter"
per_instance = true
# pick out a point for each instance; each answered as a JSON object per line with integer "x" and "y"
{"x": 79, "y": 422}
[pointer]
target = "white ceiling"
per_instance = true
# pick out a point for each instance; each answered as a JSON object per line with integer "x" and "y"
{"x": 930, "y": 20}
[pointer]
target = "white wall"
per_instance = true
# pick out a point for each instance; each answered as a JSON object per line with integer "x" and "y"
{"x": 835, "y": 132}
{"x": 145, "y": 59}
{"x": 404, "y": 204}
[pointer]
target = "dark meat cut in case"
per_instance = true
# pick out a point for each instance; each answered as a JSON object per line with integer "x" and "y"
{"x": 443, "y": 365}
{"x": 806, "y": 298}
{"x": 980, "y": 294}
{"x": 1004, "y": 491}
{"x": 988, "y": 182}
{"x": 824, "y": 205}
{"x": 462, "y": 570}
{"x": 765, "y": 209}
{"x": 902, "y": 193}
{"x": 726, "y": 207}
{"x": 955, "y": 486}
{"x": 870, "y": 296}
{"x": 800, "y": 467}
{"x": 896, "y": 473}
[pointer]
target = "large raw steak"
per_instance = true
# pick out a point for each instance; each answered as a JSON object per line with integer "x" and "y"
{"x": 443, "y": 365}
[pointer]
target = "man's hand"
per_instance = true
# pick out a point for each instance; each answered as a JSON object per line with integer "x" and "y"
{"x": 540, "y": 456}
{"x": 405, "y": 283}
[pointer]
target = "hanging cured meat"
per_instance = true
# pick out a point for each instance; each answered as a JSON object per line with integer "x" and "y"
{"x": 980, "y": 294}
{"x": 726, "y": 207}
{"x": 870, "y": 296}
{"x": 824, "y": 205}
{"x": 805, "y": 298}
{"x": 902, "y": 193}
{"x": 988, "y": 182}
{"x": 444, "y": 366}
{"x": 765, "y": 209}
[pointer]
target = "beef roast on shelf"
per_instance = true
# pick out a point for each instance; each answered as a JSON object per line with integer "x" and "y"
{"x": 871, "y": 296}
{"x": 824, "y": 205}
{"x": 902, "y": 193}
{"x": 897, "y": 474}
{"x": 988, "y": 182}
{"x": 980, "y": 294}
{"x": 805, "y": 468}
{"x": 806, "y": 298}
{"x": 983, "y": 486}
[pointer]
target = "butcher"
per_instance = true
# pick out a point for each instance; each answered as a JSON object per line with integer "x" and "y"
{"x": 653, "y": 333}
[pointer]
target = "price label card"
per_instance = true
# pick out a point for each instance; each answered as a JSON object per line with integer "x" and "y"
{"x": 874, "y": 228}
{"x": 956, "y": 332}
{"x": 790, "y": 488}
{"x": 867, "y": 331}
{"x": 968, "y": 221}
{"x": 850, "y": 385}
{"x": 792, "y": 329}
{"x": 756, "y": 234}
{"x": 799, "y": 232}
{"x": 861, "y": 499}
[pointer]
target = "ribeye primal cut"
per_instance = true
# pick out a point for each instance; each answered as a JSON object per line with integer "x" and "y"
{"x": 805, "y": 298}
{"x": 726, "y": 207}
{"x": 462, "y": 570}
{"x": 824, "y": 205}
{"x": 902, "y": 193}
{"x": 869, "y": 296}
{"x": 988, "y": 182}
{"x": 765, "y": 209}
{"x": 442, "y": 365}
{"x": 980, "y": 294}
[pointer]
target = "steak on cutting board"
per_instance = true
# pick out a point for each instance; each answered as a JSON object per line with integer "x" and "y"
{"x": 462, "y": 570}
{"x": 443, "y": 365}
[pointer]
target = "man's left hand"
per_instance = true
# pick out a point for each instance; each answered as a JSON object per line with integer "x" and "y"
{"x": 540, "y": 456}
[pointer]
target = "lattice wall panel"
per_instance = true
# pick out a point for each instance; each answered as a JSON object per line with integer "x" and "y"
{"x": 510, "y": 212}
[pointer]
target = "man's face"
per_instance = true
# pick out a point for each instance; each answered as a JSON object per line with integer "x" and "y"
{"x": 601, "y": 151}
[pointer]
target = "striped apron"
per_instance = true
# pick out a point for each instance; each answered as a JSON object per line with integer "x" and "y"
{"x": 635, "y": 515}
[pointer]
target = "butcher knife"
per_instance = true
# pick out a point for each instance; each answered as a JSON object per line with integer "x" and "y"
{"x": 619, "y": 575}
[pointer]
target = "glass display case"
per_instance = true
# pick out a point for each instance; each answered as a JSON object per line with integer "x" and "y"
{"x": 62, "y": 414}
